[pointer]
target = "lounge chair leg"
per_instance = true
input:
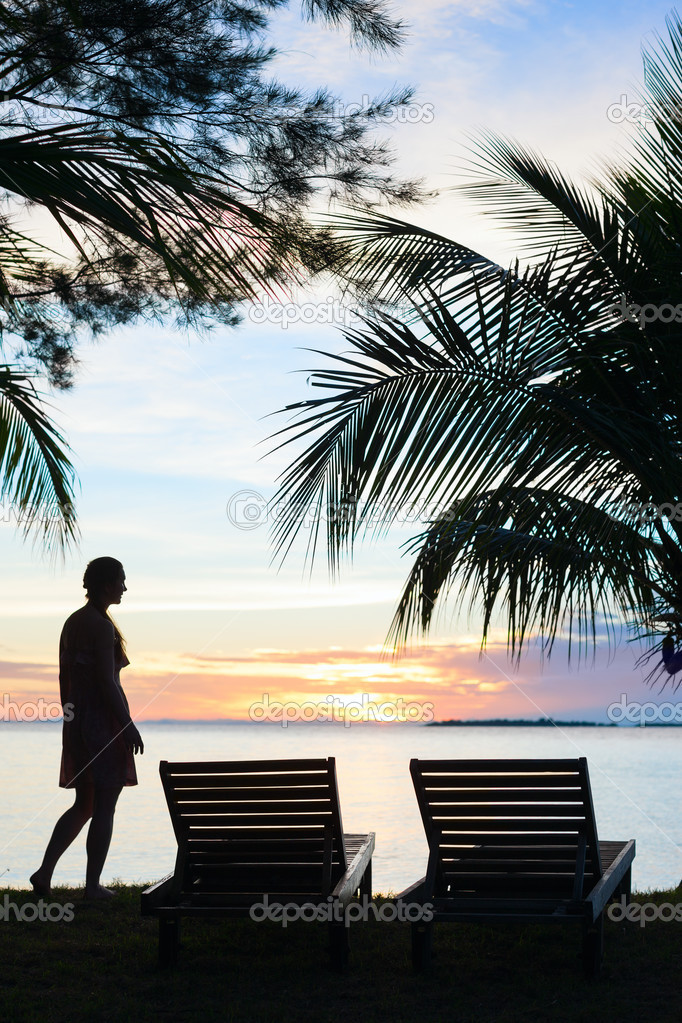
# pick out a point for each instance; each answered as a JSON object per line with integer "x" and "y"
{"x": 339, "y": 945}
{"x": 366, "y": 882}
{"x": 422, "y": 946}
{"x": 169, "y": 933}
{"x": 593, "y": 947}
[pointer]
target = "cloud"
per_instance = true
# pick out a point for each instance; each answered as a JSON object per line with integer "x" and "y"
{"x": 25, "y": 674}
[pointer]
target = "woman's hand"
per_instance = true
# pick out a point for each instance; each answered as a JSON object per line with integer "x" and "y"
{"x": 133, "y": 738}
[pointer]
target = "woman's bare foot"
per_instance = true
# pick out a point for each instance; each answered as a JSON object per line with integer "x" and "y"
{"x": 40, "y": 885}
{"x": 100, "y": 892}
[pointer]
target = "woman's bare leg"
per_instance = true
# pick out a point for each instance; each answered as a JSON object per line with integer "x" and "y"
{"x": 99, "y": 839}
{"x": 69, "y": 825}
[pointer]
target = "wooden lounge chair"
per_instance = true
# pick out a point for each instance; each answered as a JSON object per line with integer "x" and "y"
{"x": 252, "y": 833}
{"x": 513, "y": 840}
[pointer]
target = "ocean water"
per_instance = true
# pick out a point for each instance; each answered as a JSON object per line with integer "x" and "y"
{"x": 635, "y": 775}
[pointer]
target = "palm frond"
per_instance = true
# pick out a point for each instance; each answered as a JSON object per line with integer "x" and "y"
{"x": 544, "y": 559}
{"x": 36, "y": 473}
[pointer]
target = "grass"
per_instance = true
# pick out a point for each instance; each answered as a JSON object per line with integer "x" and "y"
{"x": 101, "y": 966}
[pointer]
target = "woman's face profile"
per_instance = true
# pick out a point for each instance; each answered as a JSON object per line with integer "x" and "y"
{"x": 114, "y": 591}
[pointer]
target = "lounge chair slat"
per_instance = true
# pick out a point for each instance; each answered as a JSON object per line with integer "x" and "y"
{"x": 478, "y": 781}
{"x": 455, "y": 811}
{"x": 518, "y": 840}
{"x": 557, "y": 766}
{"x": 525, "y": 850}
{"x": 246, "y": 767}
{"x": 232, "y": 822}
{"x": 251, "y": 794}
{"x": 259, "y": 844}
{"x": 477, "y": 828}
{"x": 288, "y": 806}
{"x": 259, "y": 782}
{"x": 490, "y": 866}
{"x": 548, "y": 795}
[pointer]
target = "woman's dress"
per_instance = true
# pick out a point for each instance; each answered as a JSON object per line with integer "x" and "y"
{"x": 93, "y": 743}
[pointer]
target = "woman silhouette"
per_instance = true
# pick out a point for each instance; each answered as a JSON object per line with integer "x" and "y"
{"x": 98, "y": 737}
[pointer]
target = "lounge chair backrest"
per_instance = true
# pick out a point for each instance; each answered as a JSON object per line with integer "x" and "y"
{"x": 255, "y": 826}
{"x": 514, "y": 828}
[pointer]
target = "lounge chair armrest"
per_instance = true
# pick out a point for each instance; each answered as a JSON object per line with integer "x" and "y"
{"x": 415, "y": 893}
{"x": 156, "y": 894}
{"x": 607, "y": 884}
{"x": 350, "y": 882}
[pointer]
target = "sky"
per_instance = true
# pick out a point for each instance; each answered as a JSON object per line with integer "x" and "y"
{"x": 169, "y": 429}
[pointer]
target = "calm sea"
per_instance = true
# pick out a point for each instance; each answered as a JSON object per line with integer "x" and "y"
{"x": 635, "y": 774}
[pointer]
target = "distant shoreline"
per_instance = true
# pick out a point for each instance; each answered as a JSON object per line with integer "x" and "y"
{"x": 519, "y": 723}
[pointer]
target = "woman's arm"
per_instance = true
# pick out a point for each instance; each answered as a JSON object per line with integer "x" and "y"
{"x": 112, "y": 694}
